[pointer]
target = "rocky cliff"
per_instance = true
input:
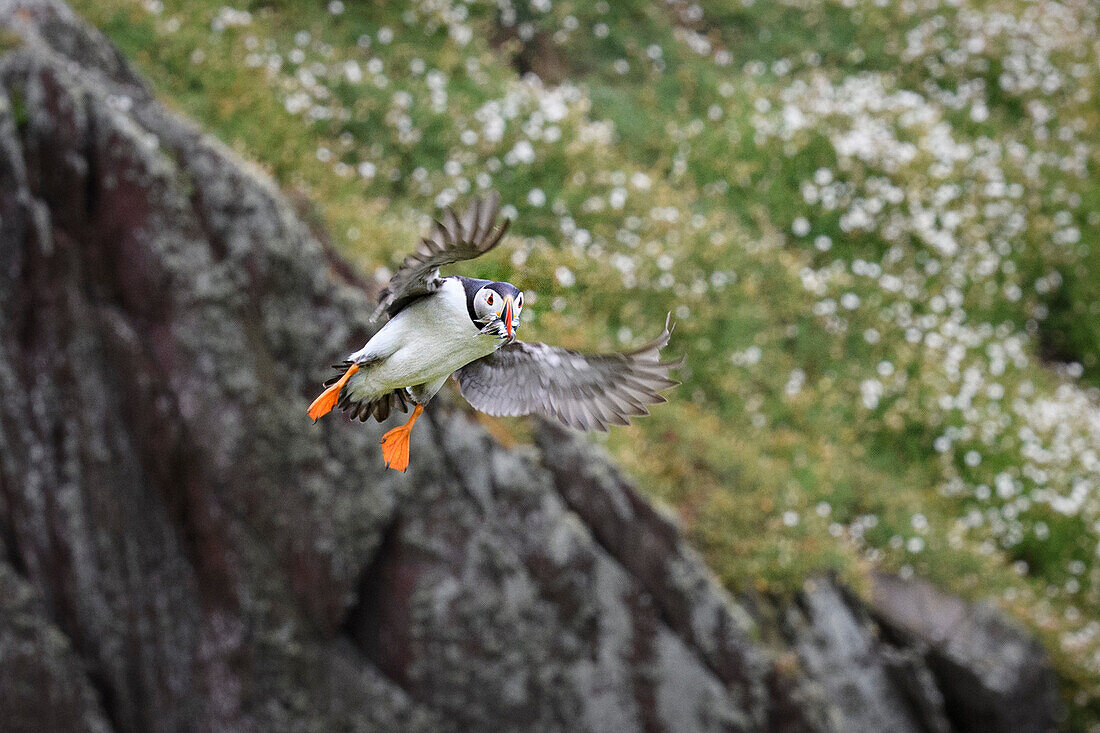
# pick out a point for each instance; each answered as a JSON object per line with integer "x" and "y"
{"x": 181, "y": 549}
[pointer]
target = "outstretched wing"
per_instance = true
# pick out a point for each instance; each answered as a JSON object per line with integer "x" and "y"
{"x": 452, "y": 240}
{"x": 584, "y": 391}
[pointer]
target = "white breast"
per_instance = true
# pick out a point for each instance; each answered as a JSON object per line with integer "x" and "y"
{"x": 424, "y": 343}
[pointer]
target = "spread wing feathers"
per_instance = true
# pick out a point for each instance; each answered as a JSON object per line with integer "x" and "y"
{"x": 584, "y": 391}
{"x": 452, "y": 240}
{"x": 379, "y": 407}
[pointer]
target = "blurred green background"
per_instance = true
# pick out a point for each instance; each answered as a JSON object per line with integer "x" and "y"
{"x": 875, "y": 224}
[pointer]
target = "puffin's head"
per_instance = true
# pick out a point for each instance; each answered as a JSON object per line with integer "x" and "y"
{"x": 496, "y": 307}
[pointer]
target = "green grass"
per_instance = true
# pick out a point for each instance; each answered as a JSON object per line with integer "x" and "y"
{"x": 9, "y": 41}
{"x": 875, "y": 228}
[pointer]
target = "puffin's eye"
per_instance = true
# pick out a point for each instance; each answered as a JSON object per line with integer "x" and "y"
{"x": 489, "y": 300}
{"x": 519, "y": 301}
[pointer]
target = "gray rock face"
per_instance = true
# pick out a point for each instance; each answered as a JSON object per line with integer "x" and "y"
{"x": 985, "y": 665}
{"x": 180, "y": 549}
{"x": 860, "y": 674}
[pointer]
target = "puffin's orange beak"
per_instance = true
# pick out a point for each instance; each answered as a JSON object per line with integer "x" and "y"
{"x": 508, "y": 318}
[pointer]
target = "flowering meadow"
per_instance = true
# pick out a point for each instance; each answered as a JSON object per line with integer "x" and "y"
{"x": 875, "y": 224}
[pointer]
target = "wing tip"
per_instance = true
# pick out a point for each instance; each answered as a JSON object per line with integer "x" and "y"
{"x": 383, "y": 303}
{"x": 477, "y": 225}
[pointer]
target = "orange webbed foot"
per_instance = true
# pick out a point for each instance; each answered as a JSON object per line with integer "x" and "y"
{"x": 395, "y": 448}
{"x": 395, "y": 443}
{"x": 327, "y": 400}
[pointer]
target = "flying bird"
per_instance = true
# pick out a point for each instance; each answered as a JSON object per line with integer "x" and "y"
{"x": 439, "y": 326}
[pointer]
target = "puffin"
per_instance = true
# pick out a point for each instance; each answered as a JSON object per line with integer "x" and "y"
{"x": 442, "y": 326}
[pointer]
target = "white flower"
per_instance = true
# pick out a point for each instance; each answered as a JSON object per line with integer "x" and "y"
{"x": 565, "y": 276}
{"x": 871, "y": 391}
{"x": 523, "y": 152}
{"x": 748, "y": 357}
{"x": 795, "y": 380}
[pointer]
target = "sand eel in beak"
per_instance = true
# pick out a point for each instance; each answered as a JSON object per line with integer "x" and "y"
{"x": 442, "y": 326}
